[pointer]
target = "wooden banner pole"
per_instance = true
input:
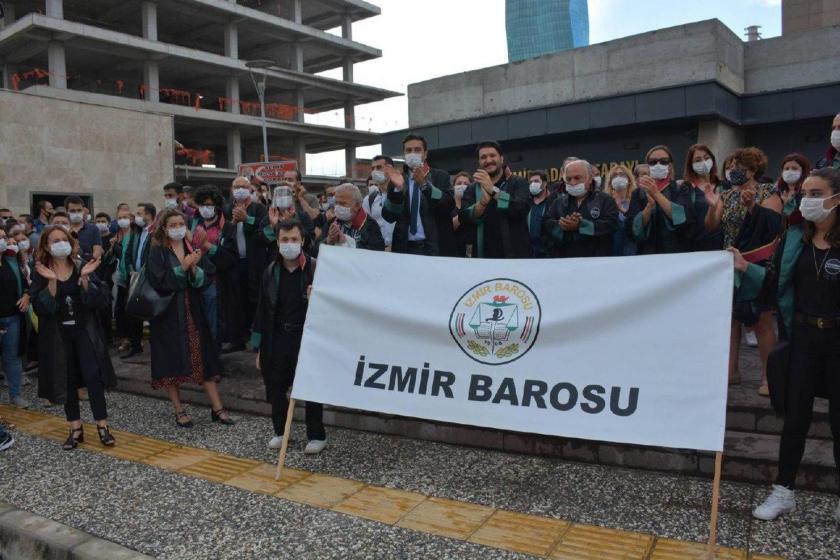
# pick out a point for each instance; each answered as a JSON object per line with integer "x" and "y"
{"x": 281, "y": 458}
{"x": 710, "y": 550}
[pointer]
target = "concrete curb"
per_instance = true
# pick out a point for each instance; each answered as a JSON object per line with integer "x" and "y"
{"x": 25, "y": 536}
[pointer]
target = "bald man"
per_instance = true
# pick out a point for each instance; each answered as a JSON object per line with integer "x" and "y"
{"x": 247, "y": 214}
{"x": 832, "y": 155}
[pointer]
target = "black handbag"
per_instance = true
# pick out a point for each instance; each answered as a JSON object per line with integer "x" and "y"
{"x": 778, "y": 374}
{"x": 144, "y": 302}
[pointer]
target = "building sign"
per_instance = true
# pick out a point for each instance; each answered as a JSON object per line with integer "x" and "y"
{"x": 271, "y": 172}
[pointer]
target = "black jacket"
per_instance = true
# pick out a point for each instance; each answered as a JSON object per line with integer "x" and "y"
{"x": 502, "y": 231}
{"x": 363, "y": 229}
{"x": 594, "y": 238}
{"x": 662, "y": 235}
{"x": 436, "y": 206}
{"x": 255, "y": 248}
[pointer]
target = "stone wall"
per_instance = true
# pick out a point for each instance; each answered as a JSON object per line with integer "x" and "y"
{"x": 50, "y": 145}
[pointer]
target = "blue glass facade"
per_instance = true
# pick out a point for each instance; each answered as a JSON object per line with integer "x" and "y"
{"x": 538, "y": 27}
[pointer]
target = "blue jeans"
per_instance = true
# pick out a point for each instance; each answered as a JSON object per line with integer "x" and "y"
{"x": 9, "y": 347}
{"x": 209, "y": 300}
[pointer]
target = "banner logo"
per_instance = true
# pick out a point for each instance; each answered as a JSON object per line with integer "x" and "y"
{"x": 497, "y": 321}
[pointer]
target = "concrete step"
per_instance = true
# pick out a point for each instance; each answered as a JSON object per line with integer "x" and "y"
{"x": 747, "y": 411}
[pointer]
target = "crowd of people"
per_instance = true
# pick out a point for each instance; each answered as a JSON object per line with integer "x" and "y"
{"x": 228, "y": 271}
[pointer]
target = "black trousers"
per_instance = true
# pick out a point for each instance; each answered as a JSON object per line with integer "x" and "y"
{"x": 106, "y": 320}
{"x": 814, "y": 360}
{"x": 134, "y": 330}
{"x": 82, "y": 371}
{"x": 247, "y": 296}
{"x": 120, "y": 316}
{"x": 278, "y": 375}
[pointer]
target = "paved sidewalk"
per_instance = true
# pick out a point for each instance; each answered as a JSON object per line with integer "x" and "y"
{"x": 170, "y": 515}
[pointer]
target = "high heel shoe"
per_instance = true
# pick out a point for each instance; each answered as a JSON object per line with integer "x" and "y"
{"x": 105, "y": 436}
{"x": 216, "y": 416}
{"x": 73, "y": 442}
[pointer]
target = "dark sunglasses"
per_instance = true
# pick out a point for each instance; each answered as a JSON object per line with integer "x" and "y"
{"x": 662, "y": 161}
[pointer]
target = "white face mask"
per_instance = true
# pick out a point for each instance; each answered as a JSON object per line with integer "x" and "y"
{"x": 659, "y": 171}
{"x": 140, "y": 221}
{"x": 61, "y": 249}
{"x": 378, "y": 176}
{"x": 13, "y": 248}
{"x": 289, "y": 251}
{"x": 123, "y": 223}
{"x": 835, "y": 139}
{"x": 170, "y": 202}
{"x": 596, "y": 182}
{"x": 241, "y": 194}
{"x": 413, "y": 160}
{"x": 2, "y": 245}
{"x": 703, "y": 168}
{"x": 576, "y": 191}
{"x": 23, "y": 245}
{"x": 207, "y": 212}
{"x": 343, "y": 213}
{"x": 813, "y": 209}
{"x": 459, "y": 189}
{"x": 535, "y": 188}
{"x": 76, "y": 217}
{"x": 103, "y": 228}
{"x": 791, "y": 176}
{"x": 620, "y": 183}
{"x": 177, "y": 233}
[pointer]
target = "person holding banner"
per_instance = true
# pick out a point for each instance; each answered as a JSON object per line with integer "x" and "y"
{"x": 183, "y": 350}
{"x": 498, "y": 205}
{"x": 581, "y": 222}
{"x": 804, "y": 282}
{"x": 351, "y": 226}
{"x": 278, "y": 328}
{"x": 661, "y": 216}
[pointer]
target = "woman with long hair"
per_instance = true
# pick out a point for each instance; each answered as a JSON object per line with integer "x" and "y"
{"x": 701, "y": 171}
{"x": 621, "y": 184}
{"x": 183, "y": 349}
{"x": 67, "y": 295}
{"x": 795, "y": 169}
{"x": 803, "y": 282}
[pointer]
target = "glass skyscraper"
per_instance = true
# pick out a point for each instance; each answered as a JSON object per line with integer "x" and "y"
{"x": 538, "y": 27}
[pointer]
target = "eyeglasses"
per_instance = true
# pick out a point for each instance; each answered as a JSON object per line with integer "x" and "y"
{"x": 661, "y": 161}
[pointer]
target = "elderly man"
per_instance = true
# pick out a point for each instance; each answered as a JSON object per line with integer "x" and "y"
{"x": 351, "y": 226}
{"x": 582, "y": 221}
{"x": 832, "y": 155}
{"x": 498, "y": 205}
{"x": 247, "y": 214}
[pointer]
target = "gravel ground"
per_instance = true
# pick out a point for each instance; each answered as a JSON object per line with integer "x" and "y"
{"x": 174, "y": 516}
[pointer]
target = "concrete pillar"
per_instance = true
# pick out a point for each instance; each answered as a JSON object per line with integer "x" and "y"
{"x": 348, "y": 70}
{"x": 232, "y": 93}
{"x": 297, "y": 11}
{"x": 349, "y": 115}
{"x": 301, "y": 106}
{"x": 350, "y": 159}
{"x": 148, "y": 11}
{"x": 234, "y": 148}
{"x": 721, "y": 138}
{"x": 55, "y": 9}
{"x": 347, "y": 27}
{"x": 151, "y": 79}
{"x": 232, "y": 40}
{"x": 300, "y": 154}
{"x": 8, "y": 16}
{"x": 297, "y": 57}
{"x": 57, "y": 65}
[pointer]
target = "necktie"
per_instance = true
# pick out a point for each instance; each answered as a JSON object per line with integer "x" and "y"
{"x": 414, "y": 209}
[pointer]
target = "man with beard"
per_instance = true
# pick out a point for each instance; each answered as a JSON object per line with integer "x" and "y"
{"x": 498, "y": 206}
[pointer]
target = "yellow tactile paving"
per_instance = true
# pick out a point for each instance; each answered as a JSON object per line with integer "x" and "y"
{"x": 385, "y": 505}
{"x": 668, "y": 549}
{"x": 520, "y": 532}
{"x": 530, "y": 534}
{"x": 587, "y": 542}
{"x": 448, "y": 518}
{"x": 321, "y": 490}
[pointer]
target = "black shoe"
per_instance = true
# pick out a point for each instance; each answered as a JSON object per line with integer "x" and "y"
{"x": 73, "y": 441}
{"x": 228, "y": 347}
{"x": 131, "y": 353}
{"x": 182, "y": 414}
{"x": 105, "y": 436}
{"x": 216, "y": 416}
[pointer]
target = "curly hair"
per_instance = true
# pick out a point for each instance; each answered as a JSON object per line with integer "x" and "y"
{"x": 212, "y": 192}
{"x": 753, "y": 159}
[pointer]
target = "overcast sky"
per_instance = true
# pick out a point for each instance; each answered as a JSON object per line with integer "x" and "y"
{"x": 432, "y": 38}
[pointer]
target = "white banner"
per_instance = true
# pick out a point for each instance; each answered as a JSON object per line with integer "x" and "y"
{"x": 630, "y": 350}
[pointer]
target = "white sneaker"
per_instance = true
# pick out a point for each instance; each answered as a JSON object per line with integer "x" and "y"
{"x": 315, "y": 446}
{"x": 751, "y": 339}
{"x": 20, "y": 402}
{"x": 276, "y": 442}
{"x": 779, "y": 502}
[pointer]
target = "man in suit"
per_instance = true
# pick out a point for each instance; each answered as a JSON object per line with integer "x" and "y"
{"x": 135, "y": 260}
